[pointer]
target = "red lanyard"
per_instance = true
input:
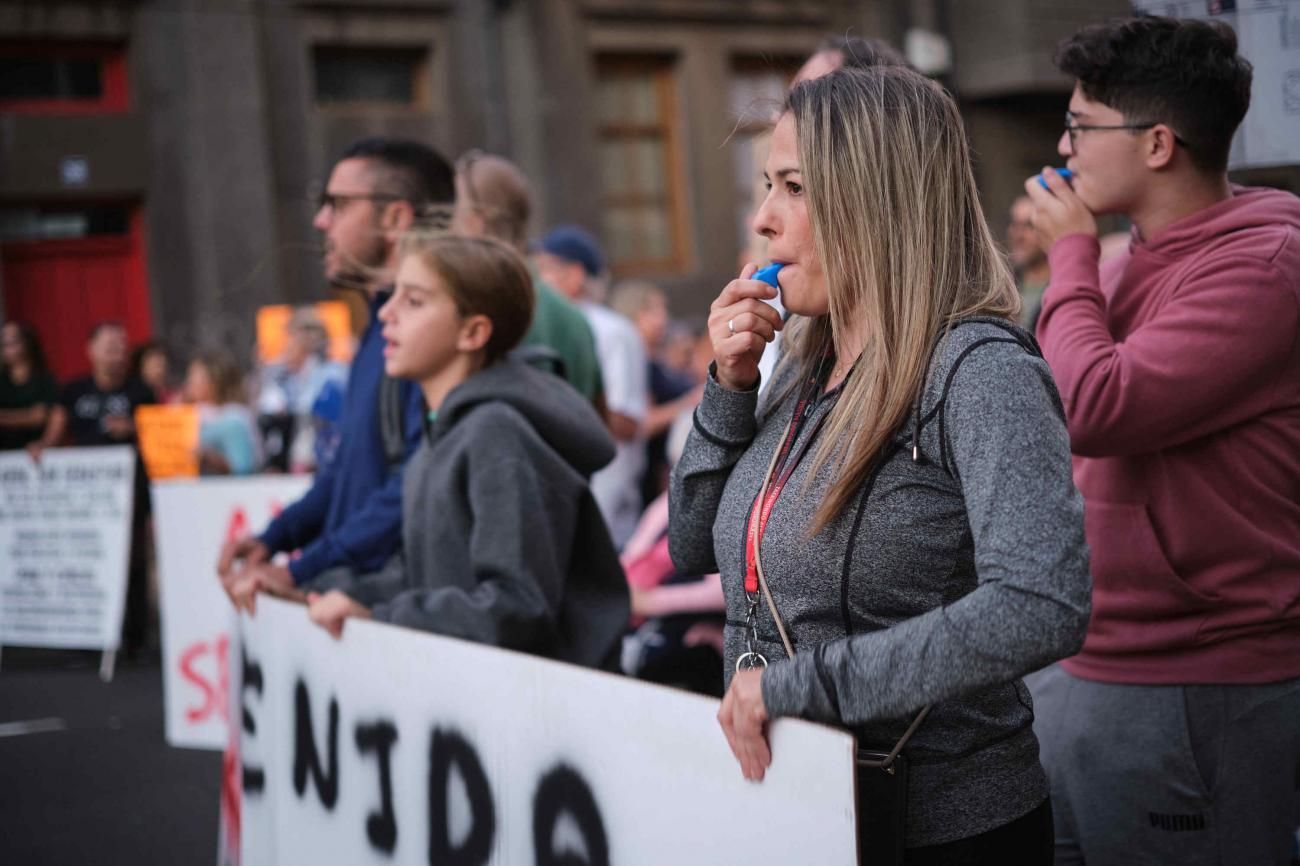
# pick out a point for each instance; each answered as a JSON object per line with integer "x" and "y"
{"x": 782, "y": 470}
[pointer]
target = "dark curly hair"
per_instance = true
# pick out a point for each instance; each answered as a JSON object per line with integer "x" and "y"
{"x": 409, "y": 169}
{"x": 1182, "y": 72}
{"x": 32, "y": 347}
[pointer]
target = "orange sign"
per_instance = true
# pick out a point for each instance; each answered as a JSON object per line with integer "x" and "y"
{"x": 272, "y": 322}
{"x": 169, "y": 440}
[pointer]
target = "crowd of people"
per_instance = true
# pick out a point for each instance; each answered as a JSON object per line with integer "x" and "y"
{"x": 1026, "y": 521}
{"x": 276, "y": 418}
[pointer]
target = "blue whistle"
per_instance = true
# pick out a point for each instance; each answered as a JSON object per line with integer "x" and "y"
{"x": 768, "y": 275}
{"x": 1063, "y": 172}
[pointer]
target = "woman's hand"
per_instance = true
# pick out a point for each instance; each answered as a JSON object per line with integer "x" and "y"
{"x": 740, "y": 326}
{"x": 330, "y": 610}
{"x": 744, "y": 718}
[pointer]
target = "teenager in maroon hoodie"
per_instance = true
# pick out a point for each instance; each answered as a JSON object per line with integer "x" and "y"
{"x": 1174, "y": 736}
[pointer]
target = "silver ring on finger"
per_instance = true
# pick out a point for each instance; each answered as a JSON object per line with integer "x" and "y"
{"x": 731, "y": 327}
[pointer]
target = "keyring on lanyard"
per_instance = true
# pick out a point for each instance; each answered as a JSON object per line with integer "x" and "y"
{"x": 751, "y": 658}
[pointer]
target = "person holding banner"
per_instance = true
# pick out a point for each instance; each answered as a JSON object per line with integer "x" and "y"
{"x": 896, "y": 526}
{"x": 503, "y": 542}
{"x": 99, "y": 410}
{"x": 350, "y": 520}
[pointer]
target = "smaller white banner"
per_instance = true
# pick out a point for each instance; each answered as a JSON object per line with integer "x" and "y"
{"x": 393, "y": 746}
{"x": 192, "y": 519}
{"x": 65, "y": 535}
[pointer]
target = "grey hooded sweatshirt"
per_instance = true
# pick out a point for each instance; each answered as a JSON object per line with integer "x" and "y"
{"x": 945, "y": 581}
{"x": 502, "y": 542}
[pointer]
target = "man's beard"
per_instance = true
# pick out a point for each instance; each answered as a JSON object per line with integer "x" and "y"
{"x": 360, "y": 272}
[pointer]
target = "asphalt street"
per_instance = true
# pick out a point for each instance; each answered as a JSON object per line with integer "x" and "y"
{"x": 85, "y": 775}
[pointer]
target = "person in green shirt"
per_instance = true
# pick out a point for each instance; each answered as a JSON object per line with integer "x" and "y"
{"x": 493, "y": 199}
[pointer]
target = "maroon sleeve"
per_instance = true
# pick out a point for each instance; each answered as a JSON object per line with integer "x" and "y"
{"x": 1214, "y": 355}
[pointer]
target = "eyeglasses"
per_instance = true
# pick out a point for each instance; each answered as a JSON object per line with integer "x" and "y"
{"x": 1073, "y": 128}
{"x": 332, "y": 200}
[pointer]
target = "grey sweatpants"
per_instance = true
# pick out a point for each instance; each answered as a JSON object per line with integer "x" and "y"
{"x": 1186, "y": 775}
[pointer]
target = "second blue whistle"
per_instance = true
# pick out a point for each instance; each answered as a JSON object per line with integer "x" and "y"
{"x": 1065, "y": 174}
{"x": 768, "y": 274}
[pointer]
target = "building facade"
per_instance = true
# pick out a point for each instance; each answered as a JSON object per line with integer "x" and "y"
{"x": 159, "y": 158}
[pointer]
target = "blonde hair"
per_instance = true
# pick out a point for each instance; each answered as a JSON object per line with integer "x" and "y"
{"x": 630, "y": 297}
{"x": 904, "y": 245}
{"x": 484, "y": 277}
{"x": 499, "y": 193}
{"x": 223, "y": 373}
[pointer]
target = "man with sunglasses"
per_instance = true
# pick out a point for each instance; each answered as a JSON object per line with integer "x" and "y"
{"x": 1173, "y": 736}
{"x": 350, "y": 519}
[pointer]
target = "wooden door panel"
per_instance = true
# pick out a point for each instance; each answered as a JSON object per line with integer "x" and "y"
{"x": 65, "y": 287}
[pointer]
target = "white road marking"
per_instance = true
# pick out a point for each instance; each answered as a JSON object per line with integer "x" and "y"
{"x": 35, "y": 726}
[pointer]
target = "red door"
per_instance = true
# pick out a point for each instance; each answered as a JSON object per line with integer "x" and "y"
{"x": 64, "y": 286}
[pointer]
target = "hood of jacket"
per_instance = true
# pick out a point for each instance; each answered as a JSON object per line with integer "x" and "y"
{"x": 563, "y": 418}
{"x": 1248, "y": 210}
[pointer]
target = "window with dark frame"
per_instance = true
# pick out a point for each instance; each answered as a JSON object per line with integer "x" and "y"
{"x": 49, "y": 78}
{"x": 639, "y": 163}
{"x": 368, "y": 76}
{"x": 47, "y": 223}
{"x": 62, "y": 78}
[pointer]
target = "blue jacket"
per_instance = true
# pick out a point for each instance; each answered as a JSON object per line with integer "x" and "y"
{"x": 352, "y": 515}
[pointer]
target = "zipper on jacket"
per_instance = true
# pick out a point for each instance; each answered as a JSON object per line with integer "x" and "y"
{"x": 845, "y": 616}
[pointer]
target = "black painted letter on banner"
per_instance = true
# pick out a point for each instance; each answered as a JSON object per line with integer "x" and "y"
{"x": 564, "y": 790}
{"x": 254, "y": 778}
{"x": 451, "y": 749}
{"x": 381, "y": 826}
{"x": 305, "y": 756}
{"x": 250, "y": 678}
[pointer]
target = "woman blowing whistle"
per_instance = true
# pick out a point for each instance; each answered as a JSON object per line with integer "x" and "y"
{"x": 903, "y": 490}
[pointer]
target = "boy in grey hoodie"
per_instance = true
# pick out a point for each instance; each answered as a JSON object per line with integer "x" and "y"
{"x": 502, "y": 540}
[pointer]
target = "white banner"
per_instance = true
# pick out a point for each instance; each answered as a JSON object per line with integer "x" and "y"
{"x": 396, "y": 746}
{"x": 65, "y": 536}
{"x": 192, "y": 519}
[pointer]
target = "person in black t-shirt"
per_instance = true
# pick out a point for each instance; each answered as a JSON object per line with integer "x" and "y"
{"x": 102, "y": 412}
{"x": 99, "y": 409}
{"x": 27, "y": 390}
